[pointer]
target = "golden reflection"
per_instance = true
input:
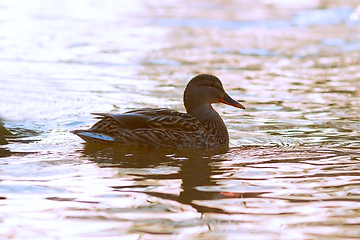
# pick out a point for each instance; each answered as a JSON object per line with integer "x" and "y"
{"x": 293, "y": 171}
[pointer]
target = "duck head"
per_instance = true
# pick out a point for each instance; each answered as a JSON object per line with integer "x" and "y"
{"x": 203, "y": 90}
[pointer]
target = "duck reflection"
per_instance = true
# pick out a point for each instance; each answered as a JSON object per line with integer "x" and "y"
{"x": 195, "y": 169}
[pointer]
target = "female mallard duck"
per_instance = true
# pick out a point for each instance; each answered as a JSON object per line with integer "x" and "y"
{"x": 201, "y": 126}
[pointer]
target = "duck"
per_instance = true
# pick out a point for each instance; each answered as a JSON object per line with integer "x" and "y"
{"x": 200, "y": 127}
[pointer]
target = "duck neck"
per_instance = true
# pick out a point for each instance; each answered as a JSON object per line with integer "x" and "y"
{"x": 203, "y": 112}
{"x": 211, "y": 121}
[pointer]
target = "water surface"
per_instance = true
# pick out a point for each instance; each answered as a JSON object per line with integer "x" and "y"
{"x": 293, "y": 168}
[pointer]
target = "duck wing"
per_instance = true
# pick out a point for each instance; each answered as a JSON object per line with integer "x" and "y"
{"x": 147, "y": 118}
{"x": 125, "y": 120}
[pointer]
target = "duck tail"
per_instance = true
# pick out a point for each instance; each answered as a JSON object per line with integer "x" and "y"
{"x": 93, "y": 137}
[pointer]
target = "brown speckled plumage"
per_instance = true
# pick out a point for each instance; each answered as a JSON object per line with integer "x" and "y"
{"x": 202, "y": 126}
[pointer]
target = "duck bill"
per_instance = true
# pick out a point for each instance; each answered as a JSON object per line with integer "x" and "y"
{"x": 229, "y": 101}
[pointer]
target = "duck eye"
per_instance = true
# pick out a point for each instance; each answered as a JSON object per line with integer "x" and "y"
{"x": 212, "y": 84}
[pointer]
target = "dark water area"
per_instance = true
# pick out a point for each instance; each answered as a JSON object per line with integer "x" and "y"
{"x": 293, "y": 167}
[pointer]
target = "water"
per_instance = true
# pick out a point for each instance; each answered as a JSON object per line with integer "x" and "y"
{"x": 293, "y": 168}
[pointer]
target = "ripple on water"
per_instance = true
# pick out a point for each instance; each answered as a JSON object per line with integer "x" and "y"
{"x": 293, "y": 169}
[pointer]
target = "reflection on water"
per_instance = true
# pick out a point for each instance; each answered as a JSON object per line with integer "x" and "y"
{"x": 192, "y": 167}
{"x": 4, "y": 152}
{"x": 293, "y": 168}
